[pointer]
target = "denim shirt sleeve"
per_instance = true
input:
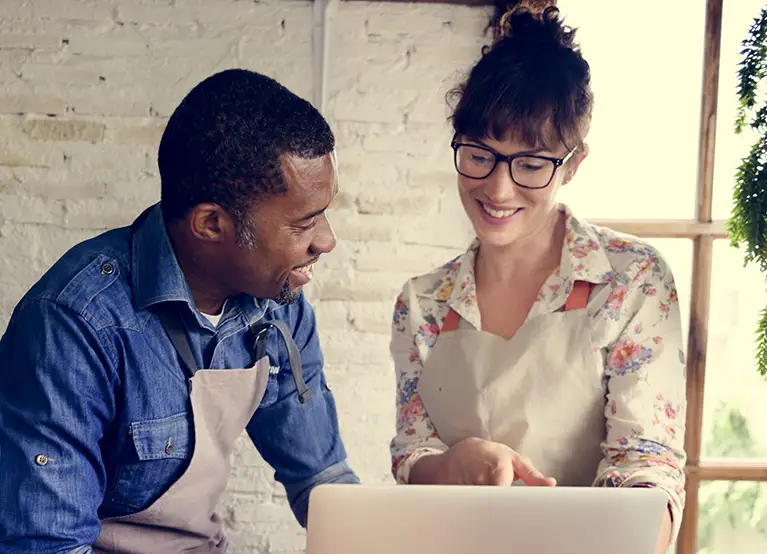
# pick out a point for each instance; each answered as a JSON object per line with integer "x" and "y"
{"x": 56, "y": 399}
{"x": 302, "y": 441}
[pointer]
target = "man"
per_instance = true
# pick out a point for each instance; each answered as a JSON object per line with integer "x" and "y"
{"x": 129, "y": 369}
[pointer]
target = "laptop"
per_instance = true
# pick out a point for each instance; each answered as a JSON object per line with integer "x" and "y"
{"x": 431, "y": 519}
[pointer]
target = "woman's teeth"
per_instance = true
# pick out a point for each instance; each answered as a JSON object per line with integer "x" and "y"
{"x": 499, "y": 214}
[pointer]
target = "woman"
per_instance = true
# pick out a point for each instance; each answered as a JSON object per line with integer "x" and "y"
{"x": 551, "y": 351}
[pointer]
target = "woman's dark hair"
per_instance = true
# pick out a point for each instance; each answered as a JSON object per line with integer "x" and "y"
{"x": 531, "y": 84}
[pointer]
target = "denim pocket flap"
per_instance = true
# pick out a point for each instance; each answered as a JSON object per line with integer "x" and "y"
{"x": 156, "y": 439}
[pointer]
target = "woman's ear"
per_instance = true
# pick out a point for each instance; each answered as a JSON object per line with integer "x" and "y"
{"x": 574, "y": 163}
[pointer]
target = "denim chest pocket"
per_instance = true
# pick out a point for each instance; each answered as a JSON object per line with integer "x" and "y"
{"x": 271, "y": 392}
{"x": 159, "y": 453}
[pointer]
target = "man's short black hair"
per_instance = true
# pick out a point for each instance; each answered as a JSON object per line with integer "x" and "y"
{"x": 224, "y": 141}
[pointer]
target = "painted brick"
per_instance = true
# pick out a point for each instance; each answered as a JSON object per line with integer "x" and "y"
{"x": 417, "y": 140}
{"x": 22, "y": 98}
{"x": 396, "y": 201}
{"x": 405, "y": 257}
{"x": 429, "y": 176}
{"x": 100, "y": 214}
{"x": 386, "y": 103}
{"x": 30, "y": 248}
{"x": 374, "y": 384}
{"x": 286, "y": 542}
{"x": 109, "y": 163}
{"x": 30, "y": 209}
{"x": 364, "y": 286}
{"x": 12, "y": 293}
{"x": 61, "y": 9}
{"x": 332, "y": 314}
{"x": 46, "y": 183}
{"x": 371, "y": 169}
{"x": 28, "y": 41}
{"x": 63, "y": 130}
{"x": 371, "y": 317}
{"x": 442, "y": 231}
{"x": 135, "y": 192}
{"x": 368, "y": 347}
{"x": 251, "y": 480}
{"x": 112, "y": 72}
{"x": 99, "y": 99}
{"x": 145, "y": 132}
{"x": 11, "y": 62}
{"x": 183, "y": 11}
{"x": 17, "y": 151}
{"x": 375, "y": 228}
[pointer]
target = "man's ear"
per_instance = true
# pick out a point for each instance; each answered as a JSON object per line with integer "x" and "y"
{"x": 575, "y": 162}
{"x": 210, "y": 222}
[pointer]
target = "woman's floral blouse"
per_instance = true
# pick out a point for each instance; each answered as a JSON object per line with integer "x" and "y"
{"x": 637, "y": 328}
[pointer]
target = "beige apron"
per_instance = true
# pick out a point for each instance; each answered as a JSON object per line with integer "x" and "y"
{"x": 541, "y": 392}
{"x": 183, "y": 519}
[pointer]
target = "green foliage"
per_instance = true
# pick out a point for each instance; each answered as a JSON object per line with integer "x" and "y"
{"x": 741, "y": 504}
{"x": 752, "y": 68}
{"x": 747, "y": 226}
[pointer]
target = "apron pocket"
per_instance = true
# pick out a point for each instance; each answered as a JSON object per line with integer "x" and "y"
{"x": 161, "y": 454}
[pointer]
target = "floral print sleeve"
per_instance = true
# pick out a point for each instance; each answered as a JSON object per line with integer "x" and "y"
{"x": 645, "y": 371}
{"x": 416, "y": 436}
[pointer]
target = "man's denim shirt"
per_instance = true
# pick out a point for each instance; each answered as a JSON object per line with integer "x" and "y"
{"x": 84, "y": 359}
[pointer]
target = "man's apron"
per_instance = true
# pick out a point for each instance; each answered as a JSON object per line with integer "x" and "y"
{"x": 540, "y": 393}
{"x": 223, "y": 401}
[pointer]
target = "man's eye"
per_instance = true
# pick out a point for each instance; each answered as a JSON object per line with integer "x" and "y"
{"x": 308, "y": 226}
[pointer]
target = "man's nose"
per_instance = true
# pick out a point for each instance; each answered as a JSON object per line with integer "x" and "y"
{"x": 325, "y": 238}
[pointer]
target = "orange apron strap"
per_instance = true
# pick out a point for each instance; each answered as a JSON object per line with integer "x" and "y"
{"x": 579, "y": 296}
{"x": 577, "y": 300}
{"x": 451, "y": 321}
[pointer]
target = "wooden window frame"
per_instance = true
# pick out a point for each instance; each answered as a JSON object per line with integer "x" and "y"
{"x": 702, "y": 230}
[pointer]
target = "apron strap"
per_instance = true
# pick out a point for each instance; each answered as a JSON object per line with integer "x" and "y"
{"x": 294, "y": 356}
{"x": 451, "y": 321}
{"x": 579, "y": 296}
{"x": 577, "y": 300}
{"x": 177, "y": 334}
{"x": 174, "y": 326}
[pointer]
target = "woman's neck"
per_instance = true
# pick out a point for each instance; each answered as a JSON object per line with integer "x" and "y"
{"x": 540, "y": 252}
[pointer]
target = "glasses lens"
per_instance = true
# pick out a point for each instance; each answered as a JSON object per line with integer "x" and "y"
{"x": 474, "y": 162}
{"x": 531, "y": 172}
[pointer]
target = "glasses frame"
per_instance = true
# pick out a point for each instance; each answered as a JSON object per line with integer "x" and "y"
{"x": 558, "y": 162}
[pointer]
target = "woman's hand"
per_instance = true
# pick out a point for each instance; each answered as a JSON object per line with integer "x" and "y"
{"x": 476, "y": 461}
{"x": 665, "y": 534}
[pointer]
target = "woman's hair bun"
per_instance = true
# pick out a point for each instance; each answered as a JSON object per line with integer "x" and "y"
{"x": 531, "y": 22}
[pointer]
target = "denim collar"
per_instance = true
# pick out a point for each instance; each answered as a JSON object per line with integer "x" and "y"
{"x": 157, "y": 276}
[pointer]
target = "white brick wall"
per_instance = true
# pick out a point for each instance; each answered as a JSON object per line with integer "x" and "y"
{"x": 85, "y": 89}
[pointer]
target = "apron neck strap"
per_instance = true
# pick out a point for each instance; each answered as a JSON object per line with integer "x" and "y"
{"x": 577, "y": 300}
{"x": 174, "y": 326}
{"x": 451, "y": 321}
{"x": 579, "y": 296}
{"x": 176, "y": 330}
{"x": 294, "y": 356}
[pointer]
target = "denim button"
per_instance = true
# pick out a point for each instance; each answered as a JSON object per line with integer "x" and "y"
{"x": 169, "y": 447}
{"x": 107, "y": 269}
{"x": 42, "y": 459}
